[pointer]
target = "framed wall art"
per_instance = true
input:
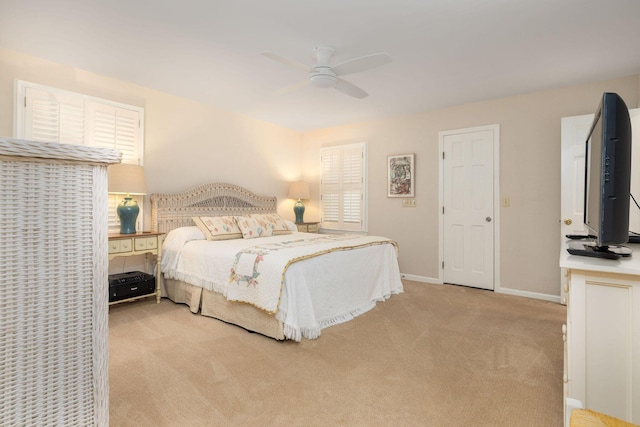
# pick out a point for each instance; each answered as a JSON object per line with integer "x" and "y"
{"x": 400, "y": 176}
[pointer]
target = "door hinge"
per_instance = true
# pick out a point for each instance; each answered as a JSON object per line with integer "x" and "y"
{"x": 25, "y": 102}
{"x": 443, "y": 210}
{"x": 443, "y": 155}
{"x": 443, "y": 265}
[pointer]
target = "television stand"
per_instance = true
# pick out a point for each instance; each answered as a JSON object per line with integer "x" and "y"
{"x": 601, "y": 340}
{"x": 591, "y": 250}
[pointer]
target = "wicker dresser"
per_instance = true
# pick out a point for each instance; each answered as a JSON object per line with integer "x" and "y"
{"x": 53, "y": 275}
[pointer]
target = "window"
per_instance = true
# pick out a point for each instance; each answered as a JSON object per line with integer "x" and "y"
{"x": 55, "y": 115}
{"x": 343, "y": 187}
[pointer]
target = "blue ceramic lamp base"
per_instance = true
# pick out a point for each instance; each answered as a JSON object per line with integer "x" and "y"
{"x": 128, "y": 213}
{"x": 298, "y": 209}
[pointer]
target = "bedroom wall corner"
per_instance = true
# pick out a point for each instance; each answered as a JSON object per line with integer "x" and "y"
{"x": 529, "y": 175}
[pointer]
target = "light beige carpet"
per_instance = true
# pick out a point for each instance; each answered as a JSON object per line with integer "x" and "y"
{"x": 436, "y": 355}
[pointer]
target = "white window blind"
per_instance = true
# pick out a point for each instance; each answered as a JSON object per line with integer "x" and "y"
{"x": 55, "y": 115}
{"x": 343, "y": 187}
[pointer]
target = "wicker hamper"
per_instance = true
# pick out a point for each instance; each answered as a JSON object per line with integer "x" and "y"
{"x": 53, "y": 278}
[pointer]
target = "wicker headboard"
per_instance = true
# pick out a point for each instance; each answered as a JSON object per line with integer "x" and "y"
{"x": 169, "y": 211}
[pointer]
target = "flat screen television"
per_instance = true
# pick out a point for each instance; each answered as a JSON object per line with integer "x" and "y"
{"x": 607, "y": 181}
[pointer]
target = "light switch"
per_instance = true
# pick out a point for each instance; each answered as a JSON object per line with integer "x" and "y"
{"x": 506, "y": 202}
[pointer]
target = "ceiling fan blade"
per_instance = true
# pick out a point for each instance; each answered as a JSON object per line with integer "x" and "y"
{"x": 292, "y": 87}
{"x": 350, "y": 89}
{"x": 285, "y": 61}
{"x": 361, "y": 64}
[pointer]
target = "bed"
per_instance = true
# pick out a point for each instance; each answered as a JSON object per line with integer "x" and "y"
{"x": 310, "y": 281}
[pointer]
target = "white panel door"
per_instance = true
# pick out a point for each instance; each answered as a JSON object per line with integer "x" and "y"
{"x": 574, "y": 132}
{"x": 634, "y": 210}
{"x": 468, "y": 208}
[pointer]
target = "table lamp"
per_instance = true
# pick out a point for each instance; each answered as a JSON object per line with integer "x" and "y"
{"x": 127, "y": 179}
{"x": 299, "y": 190}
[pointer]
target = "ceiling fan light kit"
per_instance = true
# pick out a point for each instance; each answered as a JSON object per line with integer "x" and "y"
{"x": 324, "y": 75}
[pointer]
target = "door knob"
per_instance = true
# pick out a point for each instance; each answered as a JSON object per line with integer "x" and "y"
{"x": 488, "y": 219}
{"x": 568, "y": 221}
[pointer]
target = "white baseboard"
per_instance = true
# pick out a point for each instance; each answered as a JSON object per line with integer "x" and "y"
{"x": 500, "y": 290}
{"x": 422, "y": 279}
{"x": 534, "y": 295}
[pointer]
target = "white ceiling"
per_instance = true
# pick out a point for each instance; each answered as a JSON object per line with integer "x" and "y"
{"x": 445, "y": 52}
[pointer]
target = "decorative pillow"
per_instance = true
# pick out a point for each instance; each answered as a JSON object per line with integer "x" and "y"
{"x": 251, "y": 228}
{"x": 218, "y": 227}
{"x": 274, "y": 222}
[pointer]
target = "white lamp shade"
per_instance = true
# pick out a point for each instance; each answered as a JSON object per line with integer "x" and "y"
{"x": 299, "y": 190}
{"x": 126, "y": 179}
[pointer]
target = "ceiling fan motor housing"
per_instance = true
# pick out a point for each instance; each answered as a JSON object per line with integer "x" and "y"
{"x": 323, "y": 77}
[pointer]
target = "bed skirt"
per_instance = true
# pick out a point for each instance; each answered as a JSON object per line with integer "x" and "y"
{"x": 212, "y": 304}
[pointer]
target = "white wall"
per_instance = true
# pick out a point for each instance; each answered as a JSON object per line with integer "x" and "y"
{"x": 186, "y": 143}
{"x": 189, "y": 144}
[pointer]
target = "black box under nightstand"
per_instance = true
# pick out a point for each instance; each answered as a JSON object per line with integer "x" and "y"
{"x": 130, "y": 285}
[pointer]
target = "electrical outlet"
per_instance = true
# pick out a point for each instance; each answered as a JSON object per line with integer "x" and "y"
{"x": 408, "y": 203}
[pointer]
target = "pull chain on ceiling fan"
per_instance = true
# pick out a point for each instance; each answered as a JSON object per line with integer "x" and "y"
{"x": 324, "y": 75}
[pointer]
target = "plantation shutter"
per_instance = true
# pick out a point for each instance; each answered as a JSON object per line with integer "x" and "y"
{"x": 54, "y": 115}
{"x": 352, "y": 195}
{"x": 115, "y": 127}
{"x": 330, "y": 188}
{"x": 342, "y": 187}
{"x": 118, "y": 128}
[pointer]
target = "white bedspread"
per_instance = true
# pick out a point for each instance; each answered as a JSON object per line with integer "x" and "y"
{"x": 317, "y": 292}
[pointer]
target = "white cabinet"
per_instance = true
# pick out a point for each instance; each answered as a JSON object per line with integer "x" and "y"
{"x": 602, "y": 347}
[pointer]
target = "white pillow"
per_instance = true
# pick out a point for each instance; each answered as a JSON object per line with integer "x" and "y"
{"x": 291, "y": 225}
{"x": 173, "y": 243}
{"x": 179, "y": 236}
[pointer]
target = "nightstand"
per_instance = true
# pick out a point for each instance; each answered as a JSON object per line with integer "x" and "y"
{"x": 139, "y": 244}
{"x": 307, "y": 227}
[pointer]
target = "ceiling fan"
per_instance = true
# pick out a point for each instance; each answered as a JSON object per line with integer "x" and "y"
{"x": 325, "y": 75}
